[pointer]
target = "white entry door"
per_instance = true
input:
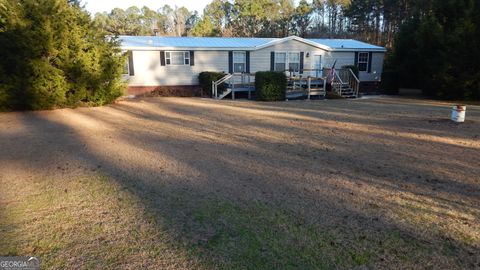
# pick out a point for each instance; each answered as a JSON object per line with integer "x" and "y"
{"x": 317, "y": 65}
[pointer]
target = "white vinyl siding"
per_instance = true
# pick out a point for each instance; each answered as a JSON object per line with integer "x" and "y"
{"x": 239, "y": 62}
{"x": 363, "y": 61}
{"x": 348, "y": 58}
{"x": 177, "y": 58}
{"x": 260, "y": 59}
{"x": 149, "y": 71}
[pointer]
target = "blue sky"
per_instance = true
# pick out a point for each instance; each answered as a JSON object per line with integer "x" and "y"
{"x": 94, "y": 6}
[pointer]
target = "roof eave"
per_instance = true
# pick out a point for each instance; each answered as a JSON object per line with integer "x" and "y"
{"x": 359, "y": 50}
{"x": 281, "y": 40}
{"x": 156, "y": 48}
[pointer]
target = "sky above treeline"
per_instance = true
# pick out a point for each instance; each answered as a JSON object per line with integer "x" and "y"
{"x": 94, "y": 6}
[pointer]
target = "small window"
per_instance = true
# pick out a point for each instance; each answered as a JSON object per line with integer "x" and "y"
{"x": 239, "y": 62}
{"x": 363, "y": 61}
{"x": 280, "y": 61}
{"x": 294, "y": 61}
{"x": 126, "y": 65}
{"x": 126, "y": 68}
{"x": 177, "y": 58}
{"x": 187, "y": 58}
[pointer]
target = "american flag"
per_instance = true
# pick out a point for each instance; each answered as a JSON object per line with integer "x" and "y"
{"x": 331, "y": 75}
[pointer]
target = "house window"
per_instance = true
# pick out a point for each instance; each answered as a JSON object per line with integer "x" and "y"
{"x": 363, "y": 61}
{"x": 177, "y": 58}
{"x": 239, "y": 62}
{"x": 280, "y": 61}
{"x": 126, "y": 68}
{"x": 294, "y": 61}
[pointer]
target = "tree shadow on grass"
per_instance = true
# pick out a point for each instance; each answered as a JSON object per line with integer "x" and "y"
{"x": 360, "y": 141}
{"x": 248, "y": 205}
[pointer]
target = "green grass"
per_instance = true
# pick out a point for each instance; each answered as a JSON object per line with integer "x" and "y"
{"x": 98, "y": 223}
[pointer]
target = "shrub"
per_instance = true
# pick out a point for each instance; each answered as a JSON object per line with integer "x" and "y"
{"x": 333, "y": 95}
{"x": 5, "y": 98}
{"x": 46, "y": 86}
{"x": 270, "y": 85}
{"x": 353, "y": 68}
{"x": 205, "y": 79}
{"x": 390, "y": 83}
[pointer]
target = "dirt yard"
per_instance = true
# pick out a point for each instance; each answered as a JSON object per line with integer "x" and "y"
{"x": 183, "y": 183}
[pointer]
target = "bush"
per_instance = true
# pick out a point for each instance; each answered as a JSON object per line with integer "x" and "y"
{"x": 390, "y": 83}
{"x": 333, "y": 95}
{"x": 353, "y": 68}
{"x": 270, "y": 85}
{"x": 206, "y": 78}
{"x": 46, "y": 86}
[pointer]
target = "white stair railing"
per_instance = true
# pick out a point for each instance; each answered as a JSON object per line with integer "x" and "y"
{"x": 337, "y": 83}
{"x": 346, "y": 78}
{"x": 354, "y": 82}
{"x": 215, "y": 84}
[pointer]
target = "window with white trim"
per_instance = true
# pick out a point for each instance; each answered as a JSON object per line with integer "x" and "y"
{"x": 177, "y": 58}
{"x": 239, "y": 62}
{"x": 294, "y": 61}
{"x": 280, "y": 61}
{"x": 363, "y": 61}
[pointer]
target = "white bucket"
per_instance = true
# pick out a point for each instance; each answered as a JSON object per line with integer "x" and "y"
{"x": 458, "y": 113}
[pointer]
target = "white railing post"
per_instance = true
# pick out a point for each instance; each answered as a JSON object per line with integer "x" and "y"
{"x": 324, "y": 86}
{"x": 213, "y": 89}
{"x": 308, "y": 86}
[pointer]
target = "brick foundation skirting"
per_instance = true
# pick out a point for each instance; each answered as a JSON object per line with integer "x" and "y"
{"x": 196, "y": 90}
{"x": 166, "y": 91}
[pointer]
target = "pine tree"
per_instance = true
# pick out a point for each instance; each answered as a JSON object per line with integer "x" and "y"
{"x": 435, "y": 49}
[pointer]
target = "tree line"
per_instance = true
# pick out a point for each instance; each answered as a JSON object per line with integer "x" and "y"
{"x": 375, "y": 21}
{"x": 134, "y": 21}
{"x": 432, "y": 43}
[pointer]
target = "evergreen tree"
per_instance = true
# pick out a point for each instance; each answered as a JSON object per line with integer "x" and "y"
{"x": 435, "y": 50}
{"x": 302, "y": 18}
{"x": 53, "y": 56}
{"x": 204, "y": 28}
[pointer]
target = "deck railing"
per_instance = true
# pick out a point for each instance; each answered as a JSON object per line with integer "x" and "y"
{"x": 306, "y": 86}
{"x": 306, "y": 72}
{"x": 234, "y": 82}
{"x": 305, "y": 80}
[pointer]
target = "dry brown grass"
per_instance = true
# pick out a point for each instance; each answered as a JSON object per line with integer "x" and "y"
{"x": 195, "y": 183}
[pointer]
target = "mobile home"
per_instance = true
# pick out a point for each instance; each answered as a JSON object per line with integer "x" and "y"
{"x": 157, "y": 63}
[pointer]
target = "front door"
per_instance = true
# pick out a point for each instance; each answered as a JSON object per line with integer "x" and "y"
{"x": 317, "y": 65}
